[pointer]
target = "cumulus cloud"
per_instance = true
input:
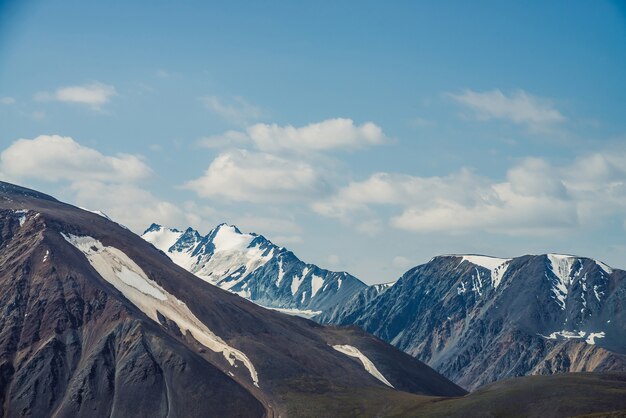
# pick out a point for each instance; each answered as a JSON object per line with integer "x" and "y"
{"x": 535, "y": 198}
{"x": 321, "y": 136}
{"x": 237, "y": 111}
{"x": 327, "y": 135}
{"x": 519, "y": 107}
{"x": 245, "y": 176}
{"x": 90, "y": 179}
{"x": 7, "y": 100}
{"x": 93, "y": 95}
{"x": 53, "y": 158}
{"x": 128, "y": 204}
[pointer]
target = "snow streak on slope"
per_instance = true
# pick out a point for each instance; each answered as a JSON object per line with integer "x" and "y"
{"x": 367, "y": 363}
{"x": 126, "y": 276}
{"x": 561, "y": 266}
{"x": 604, "y": 267}
{"x": 497, "y": 266}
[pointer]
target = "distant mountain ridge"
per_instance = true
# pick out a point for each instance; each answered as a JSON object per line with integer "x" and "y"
{"x": 478, "y": 319}
{"x": 253, "y": 267}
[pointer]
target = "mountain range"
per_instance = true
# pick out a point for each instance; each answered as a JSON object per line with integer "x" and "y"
{"x": 475, "y": 319}
{"x": 251, "y": 266}
{"x": 95, "y": 322}
{"x": 479, "y": 319}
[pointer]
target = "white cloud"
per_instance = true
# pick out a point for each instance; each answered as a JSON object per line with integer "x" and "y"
{"x": 535, "y": 198}
{"x": 238, "y": 111}
{"x": 520, "y": 107}
{"x": 326, "y": 135}
{"x": 321, "y": 136}
{"x": 53, "y": 158}
{"x": 90, "y": 179}
{"x": 240, "y": 175}
{"x": 7, "y": 100}
{"x": 93, "y": 95}
{"x": 128, "y": 204}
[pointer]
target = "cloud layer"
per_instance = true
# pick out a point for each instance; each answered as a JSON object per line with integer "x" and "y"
{"x": 535, "y": 198}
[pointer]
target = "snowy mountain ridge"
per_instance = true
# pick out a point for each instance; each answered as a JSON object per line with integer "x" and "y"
{"x": 253, "y": 267}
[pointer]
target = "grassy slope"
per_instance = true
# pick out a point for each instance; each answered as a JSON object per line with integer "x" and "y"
{"x": 566, "y": 395}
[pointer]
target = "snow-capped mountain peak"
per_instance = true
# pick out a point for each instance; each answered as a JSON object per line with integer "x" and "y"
{"x": 253, "y": 267}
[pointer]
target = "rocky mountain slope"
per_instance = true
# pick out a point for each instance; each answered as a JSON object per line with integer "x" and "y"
{"x": 479, "y": 319}
{"x": 253, "y": 267}
{"x": 95, "y": 322}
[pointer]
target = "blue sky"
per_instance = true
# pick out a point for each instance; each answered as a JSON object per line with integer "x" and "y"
{"x": 365, "y": 136}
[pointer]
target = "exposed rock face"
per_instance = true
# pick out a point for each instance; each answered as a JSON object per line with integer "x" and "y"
{"x": 95, "y": 322}
{"x": 479, "y": 319}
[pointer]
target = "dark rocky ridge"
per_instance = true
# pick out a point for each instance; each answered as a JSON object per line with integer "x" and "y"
{"x": 449, "y": 314}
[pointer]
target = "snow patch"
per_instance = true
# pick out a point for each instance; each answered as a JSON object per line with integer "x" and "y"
{"x": 382, "y": 287}
{"x": 163, "y": 238}
{"x": 461, "y": 289}
{"x": 367, "y": 363}
{"x": 561, "y": 266}
{"x": 296, "y": 281}
{"x": 22, "y": 213}
{"x": 591, "y": 339}
{"x": 227, "y": 238}
{"x": 568, "y": 335}
{"x": 281, "y": 272}
{"x": 497, "y": 266}
{"x": 303, "y": 313}
{"x": 596, "y": 293}
{"x": 316, "y": 284}
{"x": 45, "y": 257}
{"x": 125, "y": 275}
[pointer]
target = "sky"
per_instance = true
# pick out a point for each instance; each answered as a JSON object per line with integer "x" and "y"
{"x": 365, "y": 136}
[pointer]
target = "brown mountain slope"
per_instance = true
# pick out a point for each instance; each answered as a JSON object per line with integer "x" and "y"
{"x": 94, "y": 321}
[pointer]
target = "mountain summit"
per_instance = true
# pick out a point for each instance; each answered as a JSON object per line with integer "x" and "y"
{"x": 478, "y": 319}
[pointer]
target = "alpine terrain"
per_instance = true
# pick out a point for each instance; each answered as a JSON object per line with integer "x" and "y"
{"x": 478, "y": 319}
{"x": 253, "y": 267}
